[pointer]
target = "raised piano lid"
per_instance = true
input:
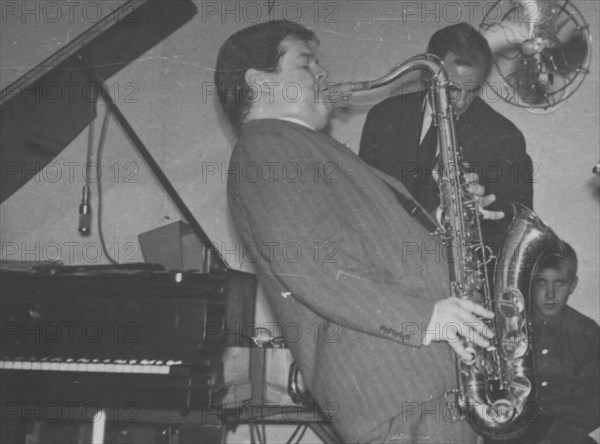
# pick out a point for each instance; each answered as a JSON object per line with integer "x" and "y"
{"x": 35, "y": 131}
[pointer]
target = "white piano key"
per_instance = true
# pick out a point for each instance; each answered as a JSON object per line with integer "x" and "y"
{"x": 91, "y": 366}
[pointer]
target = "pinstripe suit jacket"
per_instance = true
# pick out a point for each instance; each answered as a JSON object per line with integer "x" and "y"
{"x": 352, "y": 279}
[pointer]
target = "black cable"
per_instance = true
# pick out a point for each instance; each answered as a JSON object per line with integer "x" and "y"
{"x": 99, "y": 182}
{"x": 271, "y": 5}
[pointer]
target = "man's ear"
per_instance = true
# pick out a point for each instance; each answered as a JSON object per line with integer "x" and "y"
{"x": 255, "y": 77}
{"x": 573, "y": 285}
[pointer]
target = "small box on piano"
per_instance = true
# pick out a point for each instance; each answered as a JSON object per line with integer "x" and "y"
{"x": 175, "y": 246}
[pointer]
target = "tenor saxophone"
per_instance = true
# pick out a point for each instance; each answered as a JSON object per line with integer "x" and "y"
{"x": 497, "y": 390}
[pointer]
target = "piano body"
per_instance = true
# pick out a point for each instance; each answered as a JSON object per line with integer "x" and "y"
{"x": 147, "y": 337}
{"x": 124, "y": 334}
{"x": 126, "y": 339}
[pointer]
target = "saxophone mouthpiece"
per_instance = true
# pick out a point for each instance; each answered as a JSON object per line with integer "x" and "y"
{"x": 347, "y": 88}
{"x": 339, "y": 94}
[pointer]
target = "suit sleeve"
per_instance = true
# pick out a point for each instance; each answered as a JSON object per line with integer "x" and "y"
{"x": 371, "y": 141}
{"x": 505, "y": 170}
{"x": 511, "y": 176}
{"x": 317, "y": 255}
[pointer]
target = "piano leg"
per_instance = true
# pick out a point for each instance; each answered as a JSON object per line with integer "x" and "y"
{"x": 14, "y": 431}
{"x": 98, "y": 427}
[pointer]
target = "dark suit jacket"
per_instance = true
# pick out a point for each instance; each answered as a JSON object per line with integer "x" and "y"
{"x": 352, "y": 279}
{"x": 492, "y": 145}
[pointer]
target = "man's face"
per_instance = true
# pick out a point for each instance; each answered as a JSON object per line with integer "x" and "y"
{"x": 298, "y": 86}
{"x": 467, "y": 82}
{"x": 551, "y": 290}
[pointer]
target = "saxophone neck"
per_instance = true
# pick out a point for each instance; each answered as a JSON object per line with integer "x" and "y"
{"x": 428, "y": 62}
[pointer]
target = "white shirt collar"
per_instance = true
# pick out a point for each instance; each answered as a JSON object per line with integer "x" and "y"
{"x": 427, "y": 110}
{"x": 298, "y": 121}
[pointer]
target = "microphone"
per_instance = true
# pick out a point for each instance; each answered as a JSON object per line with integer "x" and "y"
{"x": 85, "y": 213}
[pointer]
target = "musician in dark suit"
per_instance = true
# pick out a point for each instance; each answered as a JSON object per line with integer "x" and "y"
{"x": 398, "y": 136}
{"x": 360, "y": 286}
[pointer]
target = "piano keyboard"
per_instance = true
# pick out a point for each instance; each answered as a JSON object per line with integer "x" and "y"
{"x": 169, "y": 360}
{"x": 144, "y": 366}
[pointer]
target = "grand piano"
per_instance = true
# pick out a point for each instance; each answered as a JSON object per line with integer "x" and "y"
{"x": 106, "y": 335}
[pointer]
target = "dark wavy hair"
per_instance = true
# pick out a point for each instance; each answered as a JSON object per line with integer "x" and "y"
{"x": 465, "y": 42}
{"x": 566, "y": 257}
{"x": 256, "y": 47}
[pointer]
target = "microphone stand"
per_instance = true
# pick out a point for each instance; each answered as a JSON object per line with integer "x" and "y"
{"x": 213, "y": 260}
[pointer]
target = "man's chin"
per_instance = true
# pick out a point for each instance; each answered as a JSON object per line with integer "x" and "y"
{"x": 322, "y": 116}
{"x": 548, "y": 313}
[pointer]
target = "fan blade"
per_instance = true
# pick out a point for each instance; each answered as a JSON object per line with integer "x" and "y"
{"x": 507, "y": 63}
{"x": 505, "y": 37}
{"x": 568, "y": 57}
{"x": 569, "y": 34}
{"x": 522, "y": 75}
{"x": 530, "y": 13}
{"x": 553, "y": 89}
{"x": 564, "y": 27}
{"x": 537, "y": 87}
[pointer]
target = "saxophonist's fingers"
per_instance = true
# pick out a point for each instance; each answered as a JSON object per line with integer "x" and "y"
{"x": 457, "y": 335}
{"x": 484, "y": 201}
{"x": 455, "y": 319}
{"x": 487, "y": 214}
{"x": 474, "y": 308}
{"x": 471, "y": 179}
{"x": 472, "y": 183}
{"x": 461, "y": 351}
{"x": 476, "y": 190}
{"x": 479, "y": 333}
{"x": 491, "y": 215}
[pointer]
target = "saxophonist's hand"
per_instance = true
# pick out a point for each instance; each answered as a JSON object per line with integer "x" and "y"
{"x": 477, "y": 190}
{"x": 456, "y": 320}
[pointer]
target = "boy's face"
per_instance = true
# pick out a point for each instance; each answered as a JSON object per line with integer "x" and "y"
{"x": 551, "y": 290}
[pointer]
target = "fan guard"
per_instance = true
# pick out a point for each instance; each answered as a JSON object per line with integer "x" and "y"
{"x": 541, "y": 51}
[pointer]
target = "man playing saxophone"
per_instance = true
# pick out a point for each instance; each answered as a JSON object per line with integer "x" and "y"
{"x": 367, "y": 284}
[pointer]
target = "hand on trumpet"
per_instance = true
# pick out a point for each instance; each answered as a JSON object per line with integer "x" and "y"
{"x": 478, "y": 192}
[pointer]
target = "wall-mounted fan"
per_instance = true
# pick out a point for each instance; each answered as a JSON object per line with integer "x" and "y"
{"x": 542, "y": 50}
